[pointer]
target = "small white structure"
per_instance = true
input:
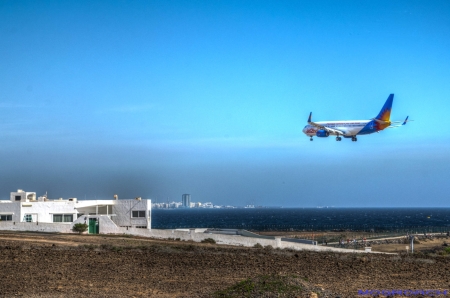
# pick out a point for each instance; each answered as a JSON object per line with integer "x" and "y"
{"x": 25, "y": 207}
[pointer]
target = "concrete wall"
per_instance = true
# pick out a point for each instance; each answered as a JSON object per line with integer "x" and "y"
{"x": 235, "y": 240}
{"x": 108, "y": 227}
{"x": 36, "y": 227}
{"x": 8, "y": 207}
{"x": 123, "y": 211}
{"x": 44, "y": 211}
{"x": 40, "y": 211}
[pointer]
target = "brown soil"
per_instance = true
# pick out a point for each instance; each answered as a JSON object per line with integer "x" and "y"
{"x": 54, "y": 265}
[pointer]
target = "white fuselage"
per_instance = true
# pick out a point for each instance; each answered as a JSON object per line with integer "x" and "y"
{"x": 349, "y": 128}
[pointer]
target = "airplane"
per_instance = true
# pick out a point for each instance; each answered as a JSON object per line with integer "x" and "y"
{"x": 352, "y": 128}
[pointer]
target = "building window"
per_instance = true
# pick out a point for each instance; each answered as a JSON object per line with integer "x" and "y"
{"x": 28, "y": 218}
{"x": 138, "y": 213}
{"x": 18, "y": 198}
{"x": 6, "y": 217}
{"x": 68, "y": 217}
{"x": 62, "y": 217}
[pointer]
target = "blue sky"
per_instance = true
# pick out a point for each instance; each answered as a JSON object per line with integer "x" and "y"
{"x": 161, "y": 98}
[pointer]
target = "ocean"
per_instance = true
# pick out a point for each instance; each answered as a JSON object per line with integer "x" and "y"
{"x": 322, "y": 219}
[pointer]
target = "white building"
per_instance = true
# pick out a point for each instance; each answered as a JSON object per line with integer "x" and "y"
{"x": 25, "y": 207}
{"x": 208, "y": 205}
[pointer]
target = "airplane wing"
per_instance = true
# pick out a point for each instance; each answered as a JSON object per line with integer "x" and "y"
{"x": 330, "y": 130}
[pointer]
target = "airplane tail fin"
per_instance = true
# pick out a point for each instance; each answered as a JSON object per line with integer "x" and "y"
{"x": 385, "y": 113}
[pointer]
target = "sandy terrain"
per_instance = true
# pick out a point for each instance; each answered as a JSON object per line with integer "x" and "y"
{"x": 52, "y": 265}
{"x": 423, "y": 245}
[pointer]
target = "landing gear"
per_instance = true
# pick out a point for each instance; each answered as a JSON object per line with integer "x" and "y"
{"x": 338, "y": 138}
{"x": 311, "y": 139}
{"x": 354, "y": 139}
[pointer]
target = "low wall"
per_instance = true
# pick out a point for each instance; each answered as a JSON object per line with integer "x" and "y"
{"x": 108, "y": 227}
{"x": 229, "y": 239}
{"x": 36, "y": 227}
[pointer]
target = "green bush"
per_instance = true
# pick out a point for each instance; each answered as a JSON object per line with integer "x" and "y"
{"x": 257, "y": 245}
{"x": 209, "y": 240}
{"x": 80, "y": 228}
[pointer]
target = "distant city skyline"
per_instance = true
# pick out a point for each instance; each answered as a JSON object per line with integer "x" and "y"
{"x": 161, "y": 98}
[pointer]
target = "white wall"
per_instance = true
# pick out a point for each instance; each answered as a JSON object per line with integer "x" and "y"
{"x": 8, "y": 207}
{"x": 45, "y": 210}
{"x": 33, "y": 226}
{"x": 237, "y": 240}
{"x": 106, "y": 225}
{"x": 123, "y": 211}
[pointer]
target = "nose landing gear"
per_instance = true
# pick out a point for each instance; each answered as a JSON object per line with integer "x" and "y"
{"x": 354, "y": 139}
{"x": 311, "y": 139}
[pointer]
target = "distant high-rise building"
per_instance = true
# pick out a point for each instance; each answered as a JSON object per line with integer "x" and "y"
{"x": 186, "y": 200}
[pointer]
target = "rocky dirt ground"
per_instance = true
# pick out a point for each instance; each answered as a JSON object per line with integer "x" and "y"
{"x": 54, "y": 265}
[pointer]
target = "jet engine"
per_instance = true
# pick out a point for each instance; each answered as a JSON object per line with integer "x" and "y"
{"x": 321, "y": 133}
